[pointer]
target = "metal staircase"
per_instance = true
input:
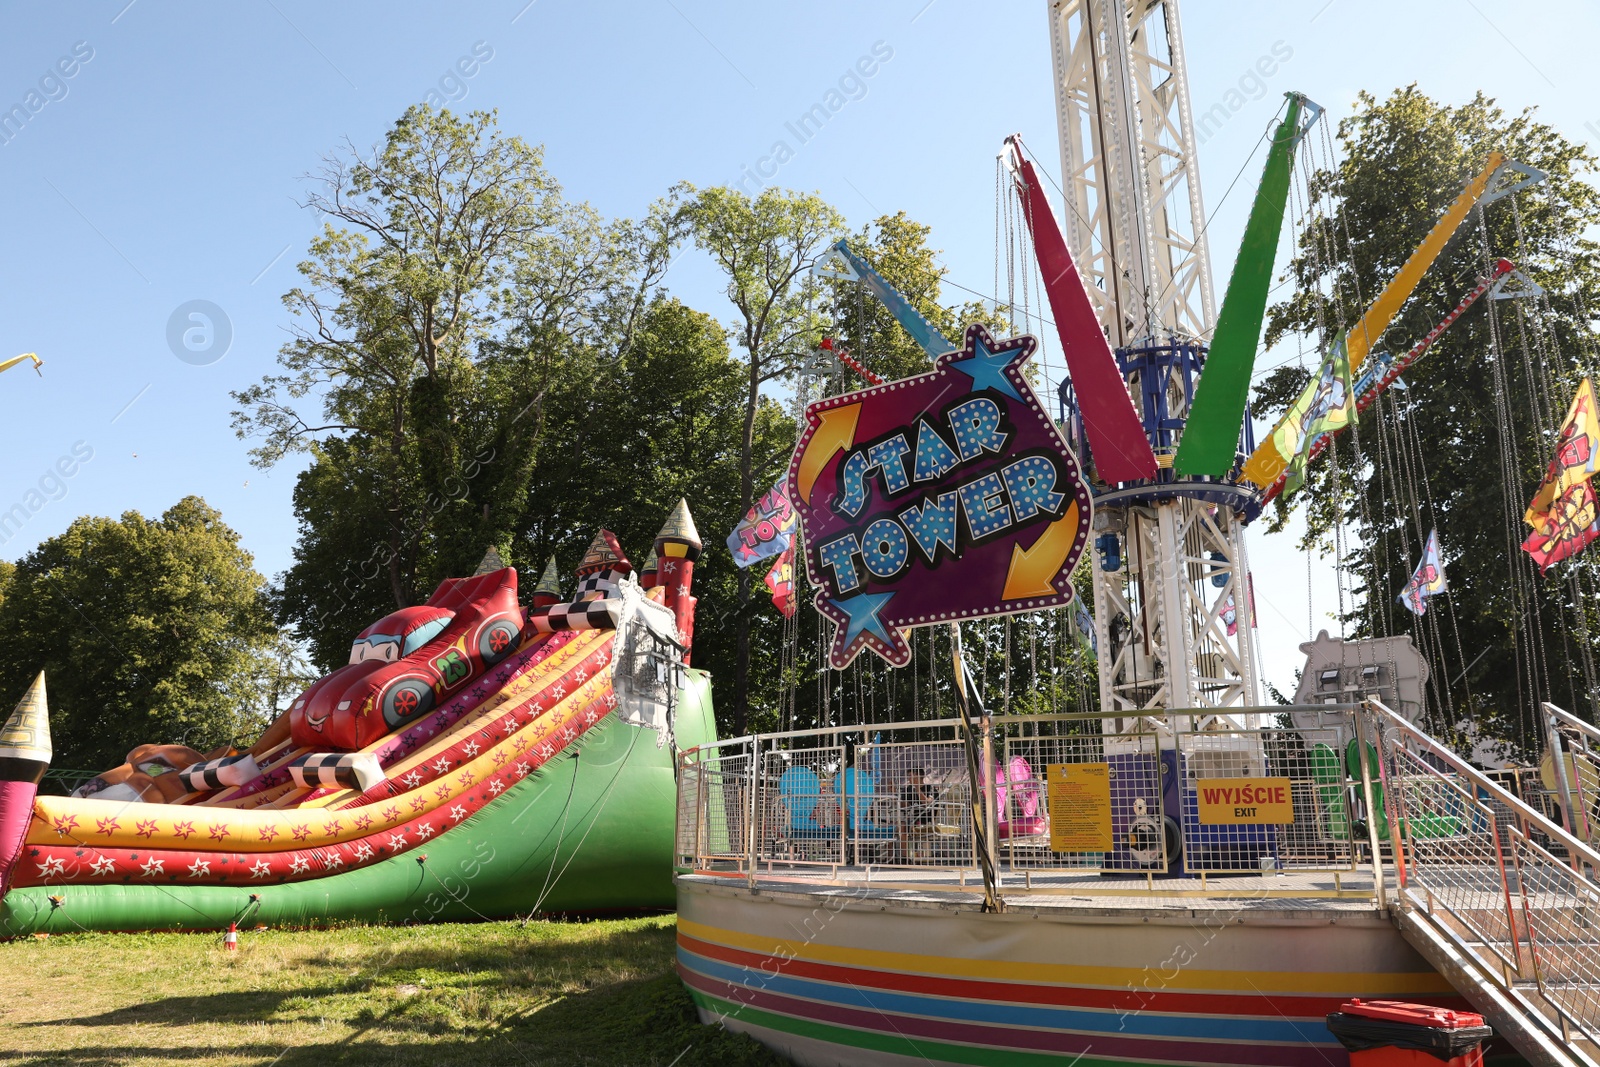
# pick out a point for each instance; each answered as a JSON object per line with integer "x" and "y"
{"x": 1502, "y": 899}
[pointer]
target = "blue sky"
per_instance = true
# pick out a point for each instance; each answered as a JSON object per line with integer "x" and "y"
{"x": 166, "y": 170}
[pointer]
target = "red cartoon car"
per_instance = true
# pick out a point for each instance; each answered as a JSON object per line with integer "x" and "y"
{"x": 409, "y": 661}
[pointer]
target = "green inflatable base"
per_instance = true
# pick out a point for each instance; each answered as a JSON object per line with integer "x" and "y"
{"x": 591, "y": 830}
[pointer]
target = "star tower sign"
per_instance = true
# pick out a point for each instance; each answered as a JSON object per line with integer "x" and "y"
{"x": 946, "y": 496}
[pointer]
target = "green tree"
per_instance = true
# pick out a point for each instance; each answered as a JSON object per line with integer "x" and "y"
{"x": 148, "y": 631}
{"x": 1463, "y": 447}
{"x": 765, "y": 248}
{"x": 452, "y": 295}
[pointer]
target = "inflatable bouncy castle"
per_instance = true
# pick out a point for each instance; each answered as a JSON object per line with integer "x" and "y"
{"x": 475, "y": 758}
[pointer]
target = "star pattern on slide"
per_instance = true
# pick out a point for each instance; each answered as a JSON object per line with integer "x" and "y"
{"x": 424, "y": 830}
{"x": 260, "y": 869}
{"x": 103, "y": 865}
{"x": 200, "y": 868}
{"x": 182, "y": 830}
{"x": 65, "y": 824}
{"x": 987, "y": 365}
{"x": 299, "y": 865}
{"x": 152, "y": 867}
{"x": 53, "y": 865}
{"x": 457, "y": 812}
{"x": 363, "y": 852}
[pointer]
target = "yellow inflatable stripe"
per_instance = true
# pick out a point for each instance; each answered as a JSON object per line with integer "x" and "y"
{"x": 1066, "y": 974}
{"x": 270, "y": 830}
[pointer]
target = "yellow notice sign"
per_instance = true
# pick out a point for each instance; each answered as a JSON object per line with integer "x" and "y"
{"x": 1080, "y": 806}
{"x": 1237, "y": 801}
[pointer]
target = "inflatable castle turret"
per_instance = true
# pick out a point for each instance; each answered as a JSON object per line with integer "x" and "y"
{"x": 677, "y": 547}
{"x": 24, "y": 757}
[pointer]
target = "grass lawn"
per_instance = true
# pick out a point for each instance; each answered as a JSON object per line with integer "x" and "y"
{"x": 548, "y": 994}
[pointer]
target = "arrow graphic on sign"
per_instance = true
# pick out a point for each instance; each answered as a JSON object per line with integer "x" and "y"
{"x": 1033, "y": 570}
{"x": 835, "y": 432}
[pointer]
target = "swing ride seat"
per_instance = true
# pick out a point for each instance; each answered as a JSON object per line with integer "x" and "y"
{"x": 799, "y": 829}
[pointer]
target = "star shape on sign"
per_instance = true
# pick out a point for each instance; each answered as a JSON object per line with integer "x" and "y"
{"x": 261, "y": 869}
{"x": 53, "y": 865}
{"x": 299, "y": 865}
{"x": 200, "y": 868}
{"x": 103, "y": 865}
{"x": 862, "y": 611}
{"x": 987, "y": 365}
{"x": 153, "y": 867}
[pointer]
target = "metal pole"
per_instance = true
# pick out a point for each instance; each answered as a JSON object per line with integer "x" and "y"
{"x": 992, "y": 901}
{"x": 1378, "y": 887}
{"x": 1568, "y": 800}
{"x": 752, "y": 830}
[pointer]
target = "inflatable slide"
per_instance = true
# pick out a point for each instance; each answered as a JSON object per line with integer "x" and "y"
{"x": 476, "y": 758}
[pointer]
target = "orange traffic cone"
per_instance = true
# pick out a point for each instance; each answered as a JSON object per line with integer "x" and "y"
{"x": 230, "y": 940}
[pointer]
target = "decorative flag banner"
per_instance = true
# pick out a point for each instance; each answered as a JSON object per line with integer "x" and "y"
{"x": 1566, "y": 529}
{"x": 1574, "y": 459}
{"x": 949, "y": 495}
{"x": 1427, "y": 581}
{"x": 780, "y": 581}
{"x": 1325, "y": 407}
{"x": 766, "y": 530}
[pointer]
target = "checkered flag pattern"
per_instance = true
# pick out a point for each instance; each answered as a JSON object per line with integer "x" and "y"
{"x": 603, "y": 583}
{"x": 337, "y": 770}
{"x": 589, "y": 615}
{"x": 217, "y": 773}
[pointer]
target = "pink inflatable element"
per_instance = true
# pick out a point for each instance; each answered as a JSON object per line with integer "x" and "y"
{"x": 16, "y": 809}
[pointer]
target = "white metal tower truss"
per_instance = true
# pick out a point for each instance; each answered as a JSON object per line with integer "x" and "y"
{"x": 1135, "y": 222}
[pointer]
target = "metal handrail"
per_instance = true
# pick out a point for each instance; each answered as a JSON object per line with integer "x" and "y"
{"x": 1460, "y": 766}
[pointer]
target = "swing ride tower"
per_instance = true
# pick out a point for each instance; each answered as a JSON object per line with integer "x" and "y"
{"x": 1170, "y": 558}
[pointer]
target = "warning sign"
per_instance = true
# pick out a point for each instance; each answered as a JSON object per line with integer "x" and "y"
{"x": 1080, "y": 806}
{"x": 1239, "y": 801}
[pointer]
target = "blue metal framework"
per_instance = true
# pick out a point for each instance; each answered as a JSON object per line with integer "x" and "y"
{"x": 1152, "y": 370}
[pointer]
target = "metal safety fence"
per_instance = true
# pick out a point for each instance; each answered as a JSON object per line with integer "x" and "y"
{"x": 1486, "y": 870}
{"x": 1195, "y": 793}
